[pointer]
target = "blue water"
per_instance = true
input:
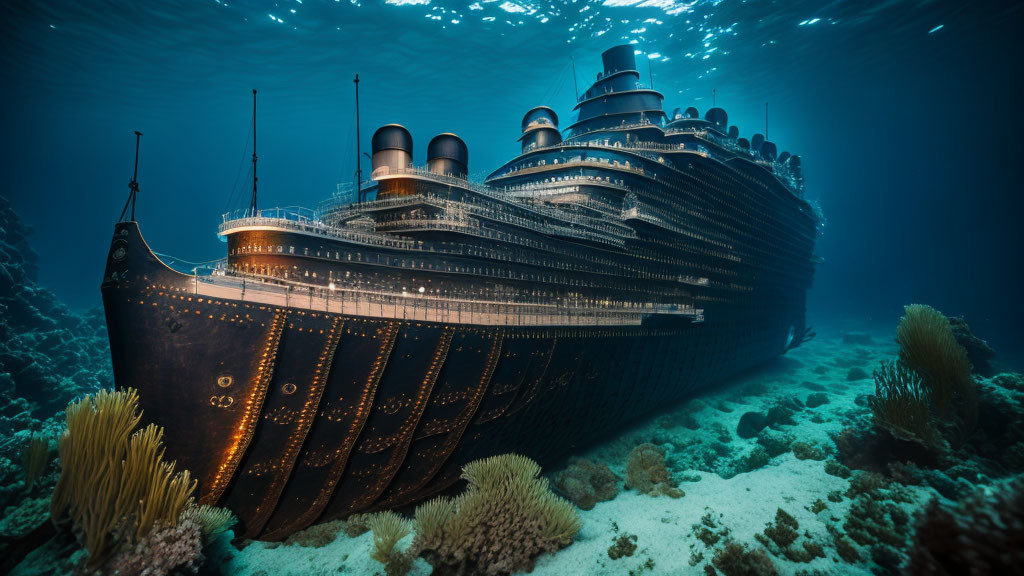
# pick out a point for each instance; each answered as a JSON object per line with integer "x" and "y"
{"x": 906, "y": 115}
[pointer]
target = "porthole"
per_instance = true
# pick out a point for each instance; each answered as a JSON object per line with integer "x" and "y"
{"x": 224, "y": 381}
{"x": 289, "y": 388}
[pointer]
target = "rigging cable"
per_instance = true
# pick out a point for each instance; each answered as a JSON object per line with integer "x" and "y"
{"x": 234, "y": 188}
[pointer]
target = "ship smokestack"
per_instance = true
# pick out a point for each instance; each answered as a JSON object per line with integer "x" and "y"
{"x": 448, "y": 154}
{"x": 540, "y": 128}
{"x": 392, "y": 149}
{"x": 618, "y": 59}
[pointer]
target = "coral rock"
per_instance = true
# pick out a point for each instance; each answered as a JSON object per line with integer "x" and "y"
{"x": 978, "y": 351}
{"x": 750, "y": 424}
{"x": 585, "y": 483}
{"x": 736, "y": 559}
{"x": 625, "y": 545}
{"x": 983, "y": 534}
{"x": 646, "y": 472}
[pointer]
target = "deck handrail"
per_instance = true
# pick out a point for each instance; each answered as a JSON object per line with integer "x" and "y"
{"x": 428, "y": 307}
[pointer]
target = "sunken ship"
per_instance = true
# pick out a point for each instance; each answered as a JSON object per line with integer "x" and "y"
{"x": 354, "y": 357}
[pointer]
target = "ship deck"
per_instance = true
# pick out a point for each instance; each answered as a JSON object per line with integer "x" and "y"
{"x": 411, "y": 305}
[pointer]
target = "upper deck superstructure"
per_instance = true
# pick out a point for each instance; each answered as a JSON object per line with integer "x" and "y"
{"x": 630, "y": 210}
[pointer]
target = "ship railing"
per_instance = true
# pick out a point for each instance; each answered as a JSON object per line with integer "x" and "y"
{"x": 779, "y": 170}
{"x": 561, "y": 181}
{"x": 472, "y": 227}
{"x": 612, "y": 235}
{"x": 613, "y": 231}
{"x": 292, "y": 213}
{"x": 413, "y": 305}
{"x": 663, "y": 222}
{"x": 588, "y": 161}
{"x": 388, "y": 241}
{"x": 320, "y": 228}
{"x": 585, "y": 263}
{"x": 575, "y": 132}
{"x": 502, "y": 194}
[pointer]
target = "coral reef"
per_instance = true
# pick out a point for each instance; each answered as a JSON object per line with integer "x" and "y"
{"x": 113, "y": 481}
{"x": 928, "y": 346}
{"x": 983, "y": 534}
{"x": 902, "y": 405}
{"x": 586, "y": 482}
{"x": 647, "y": 473}
{"x": 48, "y": 354}
{"x": 128, "y": 508}
{"x": 506, "y": 517}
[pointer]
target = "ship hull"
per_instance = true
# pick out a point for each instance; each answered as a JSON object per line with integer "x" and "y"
{"x": 290, "y": 415}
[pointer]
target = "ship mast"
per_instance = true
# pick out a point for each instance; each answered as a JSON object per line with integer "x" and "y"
{"x": 359, "y": 164}
{"x": 133, "y": 186}
{"x": 252, "y": 207}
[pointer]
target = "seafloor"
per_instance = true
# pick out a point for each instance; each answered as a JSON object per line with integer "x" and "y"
{"x": 779, "y": 471}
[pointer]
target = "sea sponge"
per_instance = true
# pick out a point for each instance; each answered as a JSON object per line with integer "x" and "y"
{"x": 114, "y": 484}
{"x": 983, "y": 534}
{"x": 646, "y": 472}
{"x": 504, "y": 519}
{"x": 585, "y": 483}
{"x": 901, "y": 405}
{"x": 928, "y": 346}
